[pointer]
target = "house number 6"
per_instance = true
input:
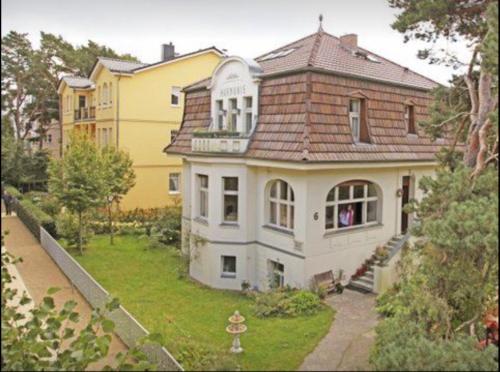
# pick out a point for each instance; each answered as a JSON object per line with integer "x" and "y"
{"x": 316, "y": 216}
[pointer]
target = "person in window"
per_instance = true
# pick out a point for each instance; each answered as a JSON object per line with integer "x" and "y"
{"x": 346, "y": 216}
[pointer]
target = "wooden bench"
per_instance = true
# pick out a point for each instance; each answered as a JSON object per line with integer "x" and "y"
{"x": 325, "y": 280}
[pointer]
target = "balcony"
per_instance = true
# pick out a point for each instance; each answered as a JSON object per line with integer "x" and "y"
{"x": 220, "y": 142}
{"x": 85, "y": 113}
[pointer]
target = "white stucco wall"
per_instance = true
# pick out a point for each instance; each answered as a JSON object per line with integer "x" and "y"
{"x": 307, "y": 250}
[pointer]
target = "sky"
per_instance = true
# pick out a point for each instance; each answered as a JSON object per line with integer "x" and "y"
{"x": 247, "y": 28}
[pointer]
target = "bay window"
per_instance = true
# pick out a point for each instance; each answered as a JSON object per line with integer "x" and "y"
{"x": 351, "y": 204}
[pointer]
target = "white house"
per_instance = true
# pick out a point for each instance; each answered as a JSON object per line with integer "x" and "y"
{"x": 300, "y": 161}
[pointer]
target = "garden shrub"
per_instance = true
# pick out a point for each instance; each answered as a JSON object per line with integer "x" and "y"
{"x": 67, "y": 227}
{"x": 13, "y": 192}
{"x": 45, "y": 201}
{"x": 167, "y": 228}
{"x": 286, "y": 302}
{"x": 402, "y": 346}
{"x": 195, "y": 356}
{"x": 303, "y": 303}
{"x": 34, "y": 217}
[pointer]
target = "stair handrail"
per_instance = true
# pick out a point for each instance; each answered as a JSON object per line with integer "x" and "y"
{"x": 397, "y": 247}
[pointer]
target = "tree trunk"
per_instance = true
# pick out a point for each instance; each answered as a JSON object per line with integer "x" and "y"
{"x": 482, "y": 104}
{"x": 80, "y": 233}
{"x": 110, "y": 223}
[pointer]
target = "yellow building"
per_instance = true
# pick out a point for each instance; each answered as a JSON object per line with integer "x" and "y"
{"x": 137, "y": 107}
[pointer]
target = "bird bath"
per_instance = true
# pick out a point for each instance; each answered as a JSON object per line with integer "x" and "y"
{"x": 236, "y": 328}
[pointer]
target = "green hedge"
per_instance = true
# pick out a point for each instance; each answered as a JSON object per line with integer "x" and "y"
{"x": 33, "y": 217}
{"x": 11, "y": 190}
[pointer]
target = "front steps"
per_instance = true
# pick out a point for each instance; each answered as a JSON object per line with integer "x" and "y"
{"x": 364, "y": 283}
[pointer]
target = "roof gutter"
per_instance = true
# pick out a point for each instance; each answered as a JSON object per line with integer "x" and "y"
{"x": 343, "y": 74}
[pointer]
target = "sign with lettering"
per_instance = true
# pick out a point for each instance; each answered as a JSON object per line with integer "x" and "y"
{"x": 232, "y": 91}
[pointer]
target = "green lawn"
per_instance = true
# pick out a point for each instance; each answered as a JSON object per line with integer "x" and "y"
{"x": 192, "y": 318}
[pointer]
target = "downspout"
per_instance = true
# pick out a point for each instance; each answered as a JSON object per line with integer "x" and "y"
{"x": 60, "y": 127}
{"x": 118, "y": 112}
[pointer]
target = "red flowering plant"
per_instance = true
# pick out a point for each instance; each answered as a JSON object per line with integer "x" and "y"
{"x": 490, "y": 321}
{"x": 360, "y": 271}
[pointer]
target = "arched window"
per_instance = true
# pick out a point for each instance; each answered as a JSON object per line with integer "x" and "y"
{"x": 351, "y": 204}
{"x": 110, "y": 93}
{"x": 281, "y": 205}
{"x": 105, "y": 94}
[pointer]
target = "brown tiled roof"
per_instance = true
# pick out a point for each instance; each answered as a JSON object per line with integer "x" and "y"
{"x": 287, "y": 130}
{"x": 303, "y": 115}
{"x": 196, "y": 115}
{"x": 324, "y": 51}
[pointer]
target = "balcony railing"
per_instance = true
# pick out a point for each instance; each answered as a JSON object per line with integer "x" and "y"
{"x": 209, "y": 138}
{"x": 85, "y": 113}
{"x": 219, "y": 141}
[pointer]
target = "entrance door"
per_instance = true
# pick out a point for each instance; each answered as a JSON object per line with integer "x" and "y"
{"x": 404, "y": 200}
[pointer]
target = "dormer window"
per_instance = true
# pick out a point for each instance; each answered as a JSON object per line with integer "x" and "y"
{"x": 232, "y": 124}
{"x": 355, "y": 118}
{"x": 410, "y": 119}
{"x": 248, "y": 114}
{"x": 358, "y": 119}
{"x": 220, "y": 114}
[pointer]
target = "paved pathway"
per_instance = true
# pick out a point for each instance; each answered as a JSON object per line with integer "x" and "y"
{"x": 347, "y": 345}
{"x": 39, "y": 273}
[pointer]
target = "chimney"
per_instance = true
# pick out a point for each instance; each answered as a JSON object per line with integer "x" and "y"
{"x": 167, "y": 51}
{"x": 349, "y": 40}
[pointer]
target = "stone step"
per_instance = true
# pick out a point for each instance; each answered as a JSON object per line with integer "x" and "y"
{"x": 364, "y": 280}
{"x": 356, "y": 286}
{"x": 369, "y": 274}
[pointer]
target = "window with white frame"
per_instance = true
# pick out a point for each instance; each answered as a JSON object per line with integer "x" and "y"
{"x": 276, "y": 274}
{"x": 409, "y": 117}
{"x": 351, "y": 204}
{"x": 228, "y": 266}
{"x": 281, "y": 205}
{"x": 355, "y": 117}
{"x": 175, "y": 96}
{"x": 219, "y": 106}
{"x": 110, "y": 95}
{"x": 248, "y": 114}
{"x": 99, "y": 102}
{"x": 203, "y": 195}
{"x": 174, "y": 183}
{"x": 49, "y": 138}
{"x": 232, "y": 124}
{"x": 105, "y": 93}
{"x": 230, "y": 190}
